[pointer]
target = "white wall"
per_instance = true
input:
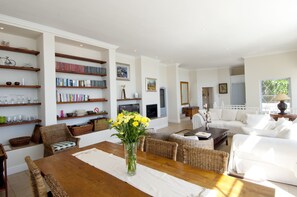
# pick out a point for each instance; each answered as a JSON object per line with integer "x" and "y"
{"x": 212, "y": 78}
{"x": 184, "y": 75}
{"x": 150, "y": 69}
{"x": 173, "y": 93}
{"x": 277, "y": 66}
{"x": 130, "y": 86}
{"x": 224, "y": 77}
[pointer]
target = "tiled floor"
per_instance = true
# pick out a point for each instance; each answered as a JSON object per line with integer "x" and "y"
{"x": 19, "y": 183}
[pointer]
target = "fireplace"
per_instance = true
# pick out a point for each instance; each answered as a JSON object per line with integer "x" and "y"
{"x": 130, "y": 108}
{"x": 152, "y": 111}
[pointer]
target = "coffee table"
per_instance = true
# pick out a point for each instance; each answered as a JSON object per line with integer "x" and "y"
{"x": 219, "y": 135}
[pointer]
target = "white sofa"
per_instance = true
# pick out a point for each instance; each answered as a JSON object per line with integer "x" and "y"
{"x": 264, "y": 158}
{"x": 231, "y": 119}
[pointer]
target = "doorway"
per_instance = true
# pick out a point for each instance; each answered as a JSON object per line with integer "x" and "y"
{"x": 238, "y": 94}
{"x": 207, "y": 96}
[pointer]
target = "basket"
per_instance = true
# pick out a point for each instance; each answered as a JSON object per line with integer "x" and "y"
{"x": 80, "y": 130}
{"x": 20, "y": 141}
{"x": 100, "y": 124}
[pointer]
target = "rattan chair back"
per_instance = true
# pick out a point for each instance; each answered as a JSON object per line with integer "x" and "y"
{"x": 56, "y": 133}
{"x": 206, "y": 159}
{"x": 161, "y": 148}
{"x": 140, "y": 145}
{"x": 183, "y": 141}
{"x": 38, "y": 185}
{"x": 56, "y": 189}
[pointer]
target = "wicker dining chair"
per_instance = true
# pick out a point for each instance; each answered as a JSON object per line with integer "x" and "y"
{"x": 140, "y": 145}
{"x": 184, "y": 141}
{"x": 206, "y": 159}
{"x": 161, "y": 148}
{"x": 56, "y": 189}
{"x": 38, "y": 185}
{"x": 57, "y": 138}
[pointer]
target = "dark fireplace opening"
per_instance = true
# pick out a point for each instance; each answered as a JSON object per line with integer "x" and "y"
{"x": 130, "y": 108}
{"x": 152, "y": 111}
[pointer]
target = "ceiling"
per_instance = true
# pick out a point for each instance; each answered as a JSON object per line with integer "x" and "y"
{"x": 194, "y": 33}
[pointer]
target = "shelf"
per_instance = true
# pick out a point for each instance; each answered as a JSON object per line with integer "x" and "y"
{"x": 72, "y": 102}
{"x": 69, "y": 72}
{"x": 79, "y": 58}
{"x": 19, "y": 50}
{"x": 79, "y": 87}
{"x": 22, "y": 104}
{"x": 74, "y": 117}
{"x": 20, "y": 68}
{"x": 20, "y": 123}
{"x": 129, "y": 99}
{"x": 20, "y": 86}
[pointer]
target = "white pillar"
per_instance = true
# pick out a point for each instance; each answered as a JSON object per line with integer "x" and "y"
{"x": 47, "y": 78}
{"x": 111, "y": 83}
{"x": 174, "y": 102}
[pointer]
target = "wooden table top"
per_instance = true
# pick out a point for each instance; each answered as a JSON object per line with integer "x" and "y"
{"x": 80, "y": 179}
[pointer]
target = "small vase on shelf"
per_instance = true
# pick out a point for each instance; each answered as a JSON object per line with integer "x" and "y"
{"x": 130, "y": 150}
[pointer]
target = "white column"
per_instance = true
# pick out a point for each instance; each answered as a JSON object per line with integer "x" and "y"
{"x": 174, "y": 102}
{"x": 111, "y": 83}
{"x": 47, "y": 78}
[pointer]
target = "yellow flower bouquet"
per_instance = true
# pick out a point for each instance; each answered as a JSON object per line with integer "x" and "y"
{"x": 130, "y": 126}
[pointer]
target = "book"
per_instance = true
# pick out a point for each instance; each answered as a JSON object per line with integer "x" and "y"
{"x": 203, "y": 134}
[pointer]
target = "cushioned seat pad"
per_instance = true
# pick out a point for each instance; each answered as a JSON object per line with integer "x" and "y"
{"x": 63, "y": 145}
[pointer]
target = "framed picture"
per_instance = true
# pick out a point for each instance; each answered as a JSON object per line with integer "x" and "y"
{"x": 151, "y": 84}
{"x": 223, "y": 88}
{"x": 123, "y": 71}
{"x": 184, "y": 92}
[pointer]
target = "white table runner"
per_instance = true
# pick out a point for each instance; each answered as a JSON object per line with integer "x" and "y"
{"x": 148, "y": 180}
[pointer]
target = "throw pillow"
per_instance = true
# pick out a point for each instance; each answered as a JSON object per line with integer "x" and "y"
{"x": 240, "y": 116}
{"x": 229, "y": 114}
{"x": 259, "y": 132}
{"x": 215, "y": 114}
{"x": 257, "y": 121}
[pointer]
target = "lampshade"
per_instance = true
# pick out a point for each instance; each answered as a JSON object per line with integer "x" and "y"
{"x": 281, "y": 97}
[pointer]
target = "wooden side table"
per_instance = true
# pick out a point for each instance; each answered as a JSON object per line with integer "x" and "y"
{"x": 190, "y": 111}
{"x": 291, "y": 117}
{"x": 3, "y": 170}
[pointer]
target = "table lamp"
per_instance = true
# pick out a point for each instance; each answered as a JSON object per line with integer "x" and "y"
{"x": 282, "y": 106}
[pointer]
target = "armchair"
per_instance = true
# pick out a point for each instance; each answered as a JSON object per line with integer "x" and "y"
{"x": 57, "y": 138}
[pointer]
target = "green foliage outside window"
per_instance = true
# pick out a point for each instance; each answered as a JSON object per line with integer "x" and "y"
{"x": 270, "y": 88}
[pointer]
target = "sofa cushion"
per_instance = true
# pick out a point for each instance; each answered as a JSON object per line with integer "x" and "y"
{"x": 257, "y": 121}
{"x": 63, "y": 145}
{"x": 215, "y": 114}
{"x": 229, "y": 114}
{"x": 259, "y": 132}
{"x": 241, "y": 115}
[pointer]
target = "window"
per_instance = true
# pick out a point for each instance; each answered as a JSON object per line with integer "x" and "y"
{"x": 269, "y": 89}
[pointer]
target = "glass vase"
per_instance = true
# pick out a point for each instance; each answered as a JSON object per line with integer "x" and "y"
{"x": 130, "y": 150}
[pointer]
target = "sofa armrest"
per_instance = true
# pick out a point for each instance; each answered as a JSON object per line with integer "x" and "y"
{"x": 198, "y": 121}
{"x": 269, "y": 150}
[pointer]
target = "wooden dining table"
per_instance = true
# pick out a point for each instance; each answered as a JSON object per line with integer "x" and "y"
{"x": 81, "y": 179}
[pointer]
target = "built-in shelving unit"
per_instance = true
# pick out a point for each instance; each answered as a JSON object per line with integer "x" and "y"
{"x": 129, "y": 99}
{"x": 69, "y": 72}
{"x": 81, "y": 87}
{"x": 74, "y": 102}
{"x": 20, "y": 86}
{"x": 20, "y": 68}
{"x": 80, "y": 58}
{"x": 19, "y": 50}
{"x": 89, "y": 115}
{"x": 20, "y": 123}
{"x": 19, "y": 104}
